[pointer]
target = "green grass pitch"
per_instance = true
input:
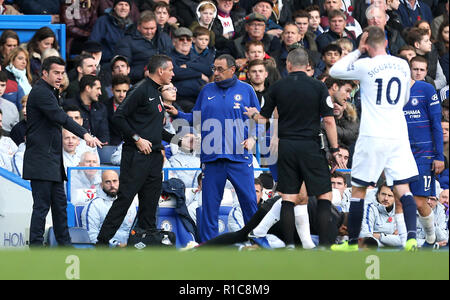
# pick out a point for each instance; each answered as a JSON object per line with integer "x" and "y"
{"x": 221, "y": 264}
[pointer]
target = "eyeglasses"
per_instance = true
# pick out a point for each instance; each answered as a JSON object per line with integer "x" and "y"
{"x": 185, "y": 39}
{"x": 174, "y": 89}
{"x": 220, "y": 69}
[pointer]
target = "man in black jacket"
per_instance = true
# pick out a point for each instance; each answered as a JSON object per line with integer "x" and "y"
{"x": 95, "y": 116}
{"x": 43, "y": 161}
{"x": 140, "y": 119}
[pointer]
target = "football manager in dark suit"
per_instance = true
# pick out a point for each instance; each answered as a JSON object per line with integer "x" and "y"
{"x": 43, "y": 161}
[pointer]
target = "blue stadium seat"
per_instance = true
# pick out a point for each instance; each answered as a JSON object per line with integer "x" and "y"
{"x": 223, "y": 218}
{"x": 79, "y": 238}
{"x": 26, "y": 25}
{"x": 105, "y": 154}
{"x": 70, "y": 215}
{"x": 168, "y": 220}
{"x": 78, "y": 211}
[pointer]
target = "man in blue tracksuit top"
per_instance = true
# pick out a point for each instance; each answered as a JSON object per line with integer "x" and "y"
{"x": 226, "y": 141}
{"x": 423, "y": 116}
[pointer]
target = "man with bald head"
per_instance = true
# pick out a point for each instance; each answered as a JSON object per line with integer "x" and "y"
{"x": 95, "y": 212}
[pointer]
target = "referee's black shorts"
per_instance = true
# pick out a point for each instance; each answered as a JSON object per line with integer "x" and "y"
{"x": 302, "y": 161}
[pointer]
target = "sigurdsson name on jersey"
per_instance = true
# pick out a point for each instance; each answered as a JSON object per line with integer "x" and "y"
{"x": 386, "y": 66}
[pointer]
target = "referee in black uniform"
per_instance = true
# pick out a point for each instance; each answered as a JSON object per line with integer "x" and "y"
{"x": 140, "y": 119}
{"x": 302, "y": 103}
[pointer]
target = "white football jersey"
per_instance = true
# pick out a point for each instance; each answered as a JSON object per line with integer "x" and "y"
{"x": 384, "y": 86}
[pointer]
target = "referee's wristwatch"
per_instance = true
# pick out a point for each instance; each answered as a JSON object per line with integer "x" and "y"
{"x": 136, "y": 137}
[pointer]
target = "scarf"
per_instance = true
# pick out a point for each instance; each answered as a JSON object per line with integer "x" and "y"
{"x": 21, "y": 78}
{"x": 227, "y": 83}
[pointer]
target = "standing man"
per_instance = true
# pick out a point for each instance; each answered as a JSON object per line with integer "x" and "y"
{"x": 226, "y": 143}
{"x": 301, "y": 158}
{"x": 43, "y": 160}
{"x": 140, "y": 118}
{"x": 423, "y": 116}
{"x": 383, "y": 143}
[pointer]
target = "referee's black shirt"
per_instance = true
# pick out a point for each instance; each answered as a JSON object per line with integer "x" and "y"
{"x": 301, "y": 102}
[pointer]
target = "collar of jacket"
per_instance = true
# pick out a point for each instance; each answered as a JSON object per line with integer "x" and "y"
{"x": 153, "y": 83}
{"x": 47, "y": 85}
{"x": 101, "y": 194}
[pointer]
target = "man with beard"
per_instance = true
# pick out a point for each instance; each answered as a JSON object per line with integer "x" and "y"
{"x": 95, "y": 212}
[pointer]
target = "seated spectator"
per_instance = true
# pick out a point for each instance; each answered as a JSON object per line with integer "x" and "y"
{"x": 7, "y": 145}
{"x": 166, "y": 22}
{"x": 394, "y": 20}
{"x": 419, "y": 39}
{"x": 10, "y": 113}
{"x": 227, "y": 26}
{"x": 442, "y": 40}
{"x": 339, "y": 183}
{"x": 206, "y": 14}
{"x": 445, "y": 107}
{"x": 95, "y": 117}
{"x": 187, "y": 156}
{"x": 344, "y": 154}
{"x": 407, "y": 52}
{"x": 379, "y": 219}
{"x": 95, "y": 212}
{"x": 8, "y": 41}
{"x": 201, "y": 37}
{"x": 79, "y": 25}
{"x": 347, "y": 122}
{"x": 314, "y": 20}
{"x": 440, "y": 223}
{"x": 74, "y": 112}
{"x": 336, "y": 31}
{"x": 105, "y": 7}
{"x": 169, "y": 96}
{"x": 191, "y": 74}
{"x": 18, "y": 64}
{"x": 6, "y": 9}
{"x": 411, "y": 11}
{"x": 443, "y": 199}
{"x": 120, "y": 87}
{"x": 330, "y": 55}
{"x": 119, "y": 66}
{"x": 110, "y": 28}
{"x": 70, "y": 143}
{"x": 84, "y": 65}
{"x": 376, "y": 16}
{"x": 351, "y": 25}
{"x": 89, "y": 178}
{"x": 346, "y": 46}
{"x": 142, "y": 43}
{"x": 254, "y": 31}
{"x": 266, "y": 8}
{"x": 437, "y": 22}
{"x": 257, "y": 75}
{"x": 18, "y": 131}
{"x": 42, "y": 39}
{"x": 253, "y": 50}
{"x": 307, "y": 38}
{"x": 40, "y": 7}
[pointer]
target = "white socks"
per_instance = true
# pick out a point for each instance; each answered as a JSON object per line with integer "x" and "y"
{"x": 428, "y": 227}
{"x": 269, "y": 219}
{"x": 401, "y": 227}
{"x": 302, "y": 226}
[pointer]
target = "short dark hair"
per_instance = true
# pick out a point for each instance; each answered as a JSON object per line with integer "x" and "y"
{"x": 68, "y": 108}
{"x": 337, "y": 174}
{"x": 332, "y": 47}
{"x": 330, "y": 81}
{"x": 336, "y": 13}
{"x": 3, "y": 76}
{"x": 49, "y": 61}
{"x": 301, "y": 14}
{"x": 81, "y": 58}
{"x": 256, "y": 62}
{"x": 158, "y": 61}
{"x": 259, "y": 182}
{"x": 88, "y": 80}
{"x": 119, "y": 79}
{"x": 146, "y": 16}
{"x": 199, "y": 31}
{"x": 418, "y": 58}
{"x": 231, "y": 62}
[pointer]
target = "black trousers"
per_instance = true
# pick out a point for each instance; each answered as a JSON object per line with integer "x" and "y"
{"x": 46, "y": 195}
{"x": 140, "y": 175}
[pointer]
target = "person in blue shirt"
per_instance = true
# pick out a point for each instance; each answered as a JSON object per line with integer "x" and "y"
{"x": 227, "y": 140}
{"x": 423, "y": 116}
{"x": 411, "y": 11}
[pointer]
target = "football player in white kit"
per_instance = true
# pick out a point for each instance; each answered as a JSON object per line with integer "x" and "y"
{"x": 383, "y": 143}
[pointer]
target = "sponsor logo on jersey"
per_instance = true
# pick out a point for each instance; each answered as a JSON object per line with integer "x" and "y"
{"x": 237, "y": 105}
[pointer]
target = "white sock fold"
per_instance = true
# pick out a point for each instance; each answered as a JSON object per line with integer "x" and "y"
{"x": 302, "y": 226}
{"x": 269, "y": 220}
{"x": 428, "y": 226}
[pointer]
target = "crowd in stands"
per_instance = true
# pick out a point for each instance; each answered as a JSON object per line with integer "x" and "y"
{"x": 109, "y": 43}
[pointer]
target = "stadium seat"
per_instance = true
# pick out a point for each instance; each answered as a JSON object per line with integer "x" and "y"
{"x": 78, "y": 236}
{"x": 168, "y": 220}
{"x": 223, "y": 218}
{"x": 70, "y": 215}
{"x": 105, "y": 154}
{"x": 78, "y": 211}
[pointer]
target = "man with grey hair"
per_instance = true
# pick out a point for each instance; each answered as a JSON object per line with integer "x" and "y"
{"x": 301, "y": 102}
{"x": 376, "y": 16}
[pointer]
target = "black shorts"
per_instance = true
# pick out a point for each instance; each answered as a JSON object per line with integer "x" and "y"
{"x": 302, "y": 161}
